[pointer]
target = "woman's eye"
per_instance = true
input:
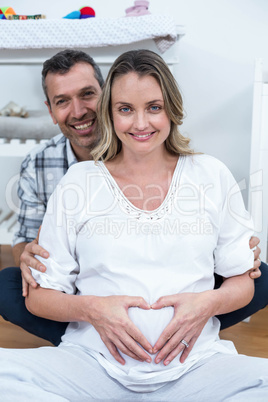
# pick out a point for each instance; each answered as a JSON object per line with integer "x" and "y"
{"x": 155, "y": 108}
{"x": 125, "y": 109}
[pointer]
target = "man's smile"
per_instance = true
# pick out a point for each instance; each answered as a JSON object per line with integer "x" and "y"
{"x": 83, "y": 126}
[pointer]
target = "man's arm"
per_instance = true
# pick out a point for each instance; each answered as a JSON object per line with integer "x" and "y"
{"x": 26, "y": 258}
{"x": 109, "y": 316}
{"x": 31, "y": 213}
{"x": 32, "y": 208}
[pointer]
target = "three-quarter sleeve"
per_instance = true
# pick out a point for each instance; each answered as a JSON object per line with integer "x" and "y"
{"x": 232, "y": 254}
{"x": 58, "y": 236}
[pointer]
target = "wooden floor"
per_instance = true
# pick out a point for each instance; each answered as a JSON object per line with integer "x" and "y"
{"x": 12, "y": 336}
{"x": 249, "y": 338}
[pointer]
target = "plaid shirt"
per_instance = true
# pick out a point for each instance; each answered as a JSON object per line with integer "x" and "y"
{"x": 40, "y": 172}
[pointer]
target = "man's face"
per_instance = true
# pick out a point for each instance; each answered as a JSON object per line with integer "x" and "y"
{"x": 73, "y": 101}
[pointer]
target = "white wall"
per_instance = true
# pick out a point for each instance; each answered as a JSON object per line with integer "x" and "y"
{"x": 216, "y": 68}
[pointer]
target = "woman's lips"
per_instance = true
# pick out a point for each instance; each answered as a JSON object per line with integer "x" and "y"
{"x": 142, "y": 136}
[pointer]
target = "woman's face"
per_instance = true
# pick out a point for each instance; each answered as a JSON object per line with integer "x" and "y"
{"x": 139, "y": 117}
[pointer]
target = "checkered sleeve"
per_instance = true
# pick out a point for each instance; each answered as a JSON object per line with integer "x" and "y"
{"x": 32, "y": 208}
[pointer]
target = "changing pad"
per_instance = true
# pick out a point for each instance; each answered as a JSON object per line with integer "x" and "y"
{"x": 89, "y": 32}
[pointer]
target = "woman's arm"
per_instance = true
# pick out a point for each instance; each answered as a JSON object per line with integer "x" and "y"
{"x": 108, "y": 315}
{"x": 192, "y": 311}
{"x": 235, "y": 293}
{"x": 55, "y": 305}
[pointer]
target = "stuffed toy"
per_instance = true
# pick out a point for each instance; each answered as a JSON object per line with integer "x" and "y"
{"x": 12, "y": 109}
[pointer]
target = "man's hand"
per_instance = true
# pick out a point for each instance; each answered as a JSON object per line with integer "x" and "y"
{"x": 191, "y": 313}
{"x": 109, "y": 316}
{"x": 27, "y": 259}
{"x": 253, "y": 244}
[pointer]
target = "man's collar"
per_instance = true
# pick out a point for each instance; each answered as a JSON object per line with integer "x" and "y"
{"x": 71, "y": 158}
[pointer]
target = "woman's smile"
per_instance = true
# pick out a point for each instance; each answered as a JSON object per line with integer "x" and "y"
{"x": 142, "y": 136}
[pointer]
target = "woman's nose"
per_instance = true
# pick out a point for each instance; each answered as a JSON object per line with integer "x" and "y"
{"x": 140, "y": 121}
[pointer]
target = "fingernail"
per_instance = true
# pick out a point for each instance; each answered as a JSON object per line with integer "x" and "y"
{"x": 151, "y": 351}
{"x": 42, "y": 268}
{"x": 166, "y": 363}
{"x": 148, "y": 360}
{"x": 45, "y": 255}
{"x": 157, "y": 361}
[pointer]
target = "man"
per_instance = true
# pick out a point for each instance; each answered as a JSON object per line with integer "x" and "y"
{"x": 72, "y": 84}
{"x": 71, "y": 101}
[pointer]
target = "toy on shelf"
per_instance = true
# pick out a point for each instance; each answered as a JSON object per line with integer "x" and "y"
{"x": 140, "y": 8}
{"x": 12, "y": 109}
{"x": 5, "y": 12}
{"x": 83, "y": 12}
{"x": 87, "y": 12}
{"x": 26, "y": 17}
{"x": 74, "y": 15}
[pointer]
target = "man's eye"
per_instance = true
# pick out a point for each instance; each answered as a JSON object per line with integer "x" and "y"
{"x": 88, "y": 93}
{"x": 60, "y": 102}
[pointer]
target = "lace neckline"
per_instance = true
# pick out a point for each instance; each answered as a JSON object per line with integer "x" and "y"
{"x": 136, "y": 212}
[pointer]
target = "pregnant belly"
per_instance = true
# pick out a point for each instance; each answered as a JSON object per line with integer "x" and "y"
{"x": 151, "y": 322}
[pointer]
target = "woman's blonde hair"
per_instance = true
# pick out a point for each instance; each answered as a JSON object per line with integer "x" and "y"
{"x": 142, "y": 62}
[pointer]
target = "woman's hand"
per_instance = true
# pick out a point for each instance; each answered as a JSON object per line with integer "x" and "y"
{"x": 191, "y": 313}
{"x": 27, "y": 259}
{"x": 109, "y": 316}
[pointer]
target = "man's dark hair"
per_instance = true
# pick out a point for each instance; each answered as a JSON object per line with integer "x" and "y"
{"x": 63, "y": 61}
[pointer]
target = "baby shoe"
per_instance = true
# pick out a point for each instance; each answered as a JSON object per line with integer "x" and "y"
{"x": 140, "y": 8}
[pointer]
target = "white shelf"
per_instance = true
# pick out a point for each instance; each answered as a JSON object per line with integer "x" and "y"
{"x": 89, "y": 33}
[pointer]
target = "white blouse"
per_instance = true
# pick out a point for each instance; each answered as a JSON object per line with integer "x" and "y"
{"x": 101, "y": 244}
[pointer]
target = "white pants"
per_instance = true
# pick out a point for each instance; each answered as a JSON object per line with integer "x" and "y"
{"x": 68, "y": 373}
